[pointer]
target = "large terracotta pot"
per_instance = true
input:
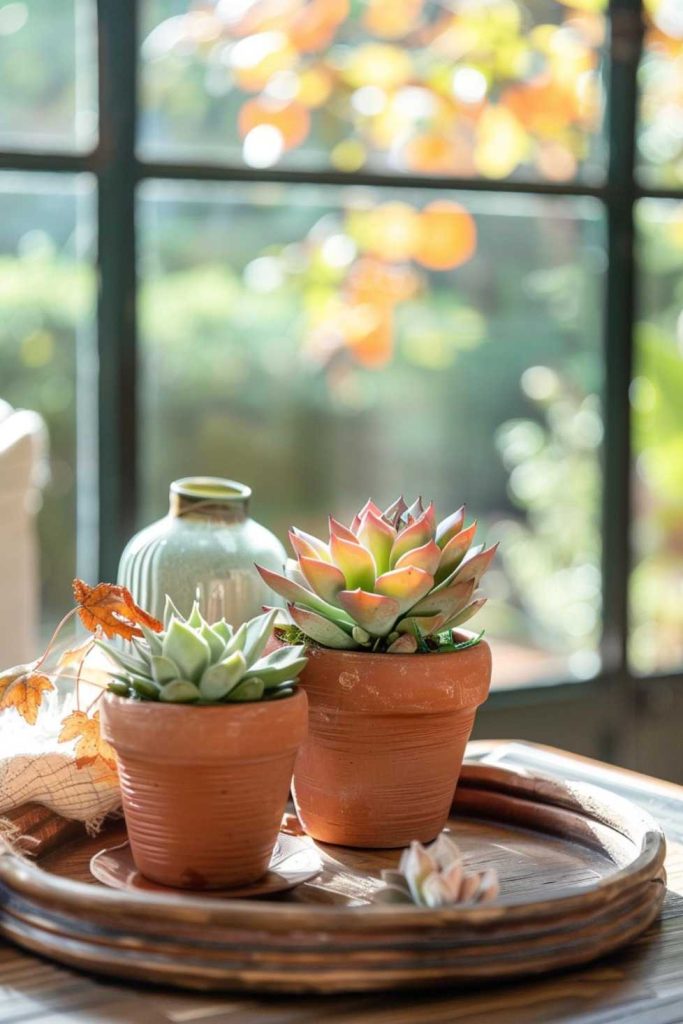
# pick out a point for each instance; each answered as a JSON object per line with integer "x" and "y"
{"x": 204, "y": 788}
{"x": 387, "y": 735}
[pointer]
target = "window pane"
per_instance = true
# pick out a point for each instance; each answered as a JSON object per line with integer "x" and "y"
{"x": 660, "y": 136}
{"x": 657, "y": 393}
{"x": 48, "y": 87}
{"x": 324, "y": 345}
{"x": 45, "y": 317}
{"x": 498, "y": 89}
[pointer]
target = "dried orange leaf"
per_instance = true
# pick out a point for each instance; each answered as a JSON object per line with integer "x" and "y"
{"x": 74, "y": 655}
{"x": 113, "y": 609}
{"x": 90, "y": 747}
{"x": 23, "y": 689}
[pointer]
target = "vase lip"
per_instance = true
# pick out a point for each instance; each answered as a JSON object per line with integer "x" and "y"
{"x": 213, "y": 488}
{"x": 210, "y": 498}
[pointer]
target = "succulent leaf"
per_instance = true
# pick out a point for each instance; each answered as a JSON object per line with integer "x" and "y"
{"x": 405, "y": 644}
{"x": 257, "y": 636}
{"x": 324, "y": 578}
{"x": 447, "y": 599}
{"x": 474, "y": 566}
{"x": 465, "y": 614}
{"x": 145, "y": 688}
{"x": 406, "y": 586}
{"x": 130, "y": 662}
{"x": 306, "y": 544}
{"x": 294, "y": 593}
{"x": 393, "y": 514}
{"x": 180, "y": 691}
{"x": 449, "y": 526}
{"x": 216, "y": 643}
{"x": 164, "y": 670}
{"x": 224, "y": 630}
{"x": 375, "y": 613}
{"x": 195, "y": 618}
{"x": 153, "y": 639}
{"x": 426, "y": 557}
{"x": 338, "y": 529}
{"x": 277, "y": 667}
{"x": 378, "y": 537}
{"x": 355, "y": 562}
{"x": 454, "y": 552}
{"x": 320, "y": 629}
{"x": 418, "y": 533}
{"x": 218, "y": 680}
{"x": 187, "y": 649}
{"x": 369, "y": 506}
{"x": 171, "y": 612}
{"x": 250, "y": 689}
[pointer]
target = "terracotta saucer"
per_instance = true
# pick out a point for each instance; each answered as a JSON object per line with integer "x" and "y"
{"x": 295, "y": 860}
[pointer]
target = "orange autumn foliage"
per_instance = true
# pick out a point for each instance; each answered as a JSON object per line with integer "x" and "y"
{"x": 90, "y": 747}
{"x": 292, "y": 120}
{"x": 448, "y": 236}
{"x": 22, "y": 689}
{"x": 112, "y": 609}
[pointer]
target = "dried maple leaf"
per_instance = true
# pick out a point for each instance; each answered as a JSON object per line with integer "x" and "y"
{"x": 90, "y": 747}
{"x": 113, "y": 609}
{"x": 22, "y": 689}
{"x": 74, "y": 655}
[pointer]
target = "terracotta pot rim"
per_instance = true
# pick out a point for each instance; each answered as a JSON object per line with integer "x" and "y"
{"x": 171, "y": 733}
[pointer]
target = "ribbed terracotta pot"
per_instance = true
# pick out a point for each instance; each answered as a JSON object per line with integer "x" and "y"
{"x": 204, "y": 788}
{"x": 386, "y": 739}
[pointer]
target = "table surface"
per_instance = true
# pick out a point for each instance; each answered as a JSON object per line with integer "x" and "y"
{"x": 642, "y": 984}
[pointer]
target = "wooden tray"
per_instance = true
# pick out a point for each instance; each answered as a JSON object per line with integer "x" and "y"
{"x": 581, "y": 874}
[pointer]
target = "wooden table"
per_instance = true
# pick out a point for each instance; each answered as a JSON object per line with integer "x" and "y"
{"x": 641, "y": 985}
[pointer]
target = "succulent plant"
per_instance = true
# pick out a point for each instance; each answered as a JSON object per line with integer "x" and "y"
{"x": 191, "y": 661}
{"x": 435, "y": 876}
{"x": 387, "y": 582}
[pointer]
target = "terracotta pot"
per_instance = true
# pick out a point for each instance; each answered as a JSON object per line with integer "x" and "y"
{"x": 387, "y": 735}
{"x": 204, "y": 788}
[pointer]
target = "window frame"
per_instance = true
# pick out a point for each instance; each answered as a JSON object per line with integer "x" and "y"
{"x": 615, "y": 697}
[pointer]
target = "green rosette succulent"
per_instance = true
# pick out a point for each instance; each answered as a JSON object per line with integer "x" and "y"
{"x": 195, "y": 662}
{"x": 394, "y": 581}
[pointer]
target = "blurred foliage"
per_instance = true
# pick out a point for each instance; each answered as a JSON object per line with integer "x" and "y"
{"x": 660, "y": 135}
{"x": 47, "y": 73}
{"x": 657, "y": 397}
{"x": 491, "y": 89}
{"x": 552, "y": 556}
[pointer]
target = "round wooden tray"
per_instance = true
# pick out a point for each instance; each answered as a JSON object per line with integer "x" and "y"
{"x": 581, "y": 874}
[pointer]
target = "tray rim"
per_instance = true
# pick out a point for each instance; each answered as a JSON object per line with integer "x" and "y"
{"x": 28, "y": 880}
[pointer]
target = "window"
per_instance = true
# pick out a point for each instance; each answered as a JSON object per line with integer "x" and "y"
{"x": 352, "y": 249}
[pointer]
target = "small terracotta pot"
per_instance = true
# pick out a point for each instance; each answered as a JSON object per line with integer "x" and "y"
{"x": 204, "y": 788}
{"x": 387, "y": 735}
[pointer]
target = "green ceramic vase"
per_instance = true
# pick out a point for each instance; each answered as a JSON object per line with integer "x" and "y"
{"x": 204, "y": 550}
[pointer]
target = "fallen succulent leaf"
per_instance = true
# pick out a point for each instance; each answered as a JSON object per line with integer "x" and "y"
{"x": 113, "y": 609}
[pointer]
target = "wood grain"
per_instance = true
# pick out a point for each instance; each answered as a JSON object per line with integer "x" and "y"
{"x": 304, "y": 944}
{"x": 642, "y": 983}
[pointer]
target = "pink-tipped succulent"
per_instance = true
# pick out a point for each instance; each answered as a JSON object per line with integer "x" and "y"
{"x": 389, "y": 582}
{"x": 435, "y": 876}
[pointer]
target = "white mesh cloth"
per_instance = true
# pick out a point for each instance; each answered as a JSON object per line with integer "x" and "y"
{"x": 35, "y": 766}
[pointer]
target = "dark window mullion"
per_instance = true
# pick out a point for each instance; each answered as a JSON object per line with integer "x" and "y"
{"x": 118, "y": 434}
{"x": 626, "y": 43}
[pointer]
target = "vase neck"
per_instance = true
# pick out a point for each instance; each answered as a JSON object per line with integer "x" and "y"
{"x": 209, "y": 497}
